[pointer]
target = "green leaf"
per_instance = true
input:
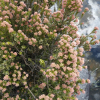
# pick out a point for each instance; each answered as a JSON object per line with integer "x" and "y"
{"x": 23, "y": 47}
{"x": 42, "y": 62}
{"x": 29, "y": 59}
{"x": 20, "y": 53}
{"x": 61, "y": 64}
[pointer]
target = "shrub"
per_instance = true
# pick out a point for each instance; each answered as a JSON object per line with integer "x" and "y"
{"x": 41, "y": 51}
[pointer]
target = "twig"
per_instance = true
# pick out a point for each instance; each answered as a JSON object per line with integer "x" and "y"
{"x": 47, "y": 83}
{"x": 32, "y": 94}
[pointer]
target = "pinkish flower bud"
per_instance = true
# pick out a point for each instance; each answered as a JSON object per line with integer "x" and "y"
{"x": 97, "y": 41}
{"x": 88, "y": 81}
{"x": 86, "y": 9}
{"x": 96, "y": 28}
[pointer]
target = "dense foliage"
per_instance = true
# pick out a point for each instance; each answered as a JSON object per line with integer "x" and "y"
{"x": 41, "y": 52}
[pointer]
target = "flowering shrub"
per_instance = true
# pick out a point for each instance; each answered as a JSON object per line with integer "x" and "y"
{"x": 41, "y": 51}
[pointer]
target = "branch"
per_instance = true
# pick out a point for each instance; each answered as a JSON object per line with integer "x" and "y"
{"x": 23, "y": 57}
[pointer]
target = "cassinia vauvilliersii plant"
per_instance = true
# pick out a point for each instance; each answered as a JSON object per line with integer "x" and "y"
{"x": 41, "y": 52}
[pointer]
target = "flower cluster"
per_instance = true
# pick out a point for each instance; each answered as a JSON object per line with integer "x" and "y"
{"x": 66, "y": 69}
{"x": 15, "y": 78}
{"x": 73, "y": 5}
